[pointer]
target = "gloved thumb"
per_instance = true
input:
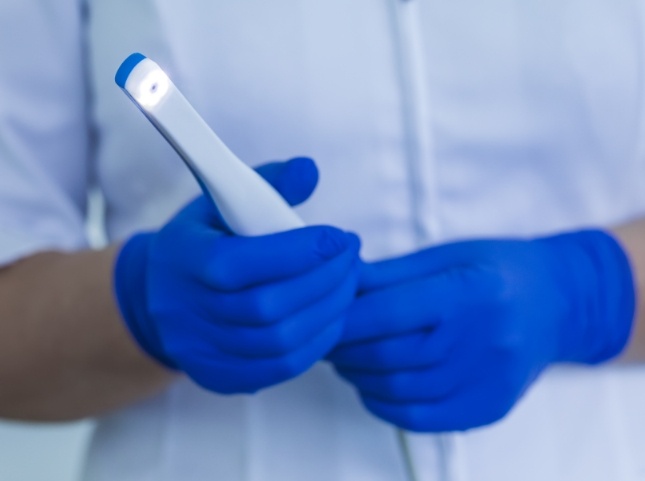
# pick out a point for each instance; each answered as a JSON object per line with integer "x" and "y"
{"x": 295, "y": 179}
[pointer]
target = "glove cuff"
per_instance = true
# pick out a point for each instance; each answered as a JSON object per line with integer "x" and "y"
{"x": 597, "y": 274}
{"x": 130, "y": 291}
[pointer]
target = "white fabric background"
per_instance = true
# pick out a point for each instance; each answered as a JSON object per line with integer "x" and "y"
{"x": 36, "y": 452}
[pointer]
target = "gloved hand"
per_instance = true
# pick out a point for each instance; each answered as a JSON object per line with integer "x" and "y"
{"x": 238, "y": 314}
{"x": 451, "y": 337}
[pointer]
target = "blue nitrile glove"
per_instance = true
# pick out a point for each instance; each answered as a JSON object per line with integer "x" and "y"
{"x": 451, "y": 337}
{"x": 238, "y": 314}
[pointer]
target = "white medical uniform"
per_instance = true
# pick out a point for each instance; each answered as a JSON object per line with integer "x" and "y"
{"x": 430, "y": 120}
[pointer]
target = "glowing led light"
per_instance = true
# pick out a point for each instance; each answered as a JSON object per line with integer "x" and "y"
{"x": 152, "y": 89}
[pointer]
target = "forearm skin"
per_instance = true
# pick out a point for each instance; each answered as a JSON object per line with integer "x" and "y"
{"x": 65, "y": 353}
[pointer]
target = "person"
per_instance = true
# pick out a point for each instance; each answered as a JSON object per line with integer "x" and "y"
{"x": 491, "y": 151}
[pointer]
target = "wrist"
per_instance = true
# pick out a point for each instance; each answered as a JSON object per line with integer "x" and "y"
{"x": 130, "y": 289}
{"x": 594, "y": 274}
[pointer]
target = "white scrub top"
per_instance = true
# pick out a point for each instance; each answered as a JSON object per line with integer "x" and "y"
{"x": 431, "y": 120}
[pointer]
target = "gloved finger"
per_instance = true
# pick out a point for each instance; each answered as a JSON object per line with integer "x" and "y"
{"x": 225, "y": 374}
{"x": 420, "y": 349}
{"x": 238, "y": 263}
{"x": 295, "y": 179}
{"x": 233, "y": 263}
{"x": 466, "y": 410}
{"x": 420, "y": 304}
{"x": 273, "y": 302}
{"x": 421, "y": 385}
{"x": 287, "y": 336}
{"x": 424, "y": 263}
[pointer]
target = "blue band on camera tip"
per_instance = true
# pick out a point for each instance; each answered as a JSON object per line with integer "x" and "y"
{"x": 127, "y": 67}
